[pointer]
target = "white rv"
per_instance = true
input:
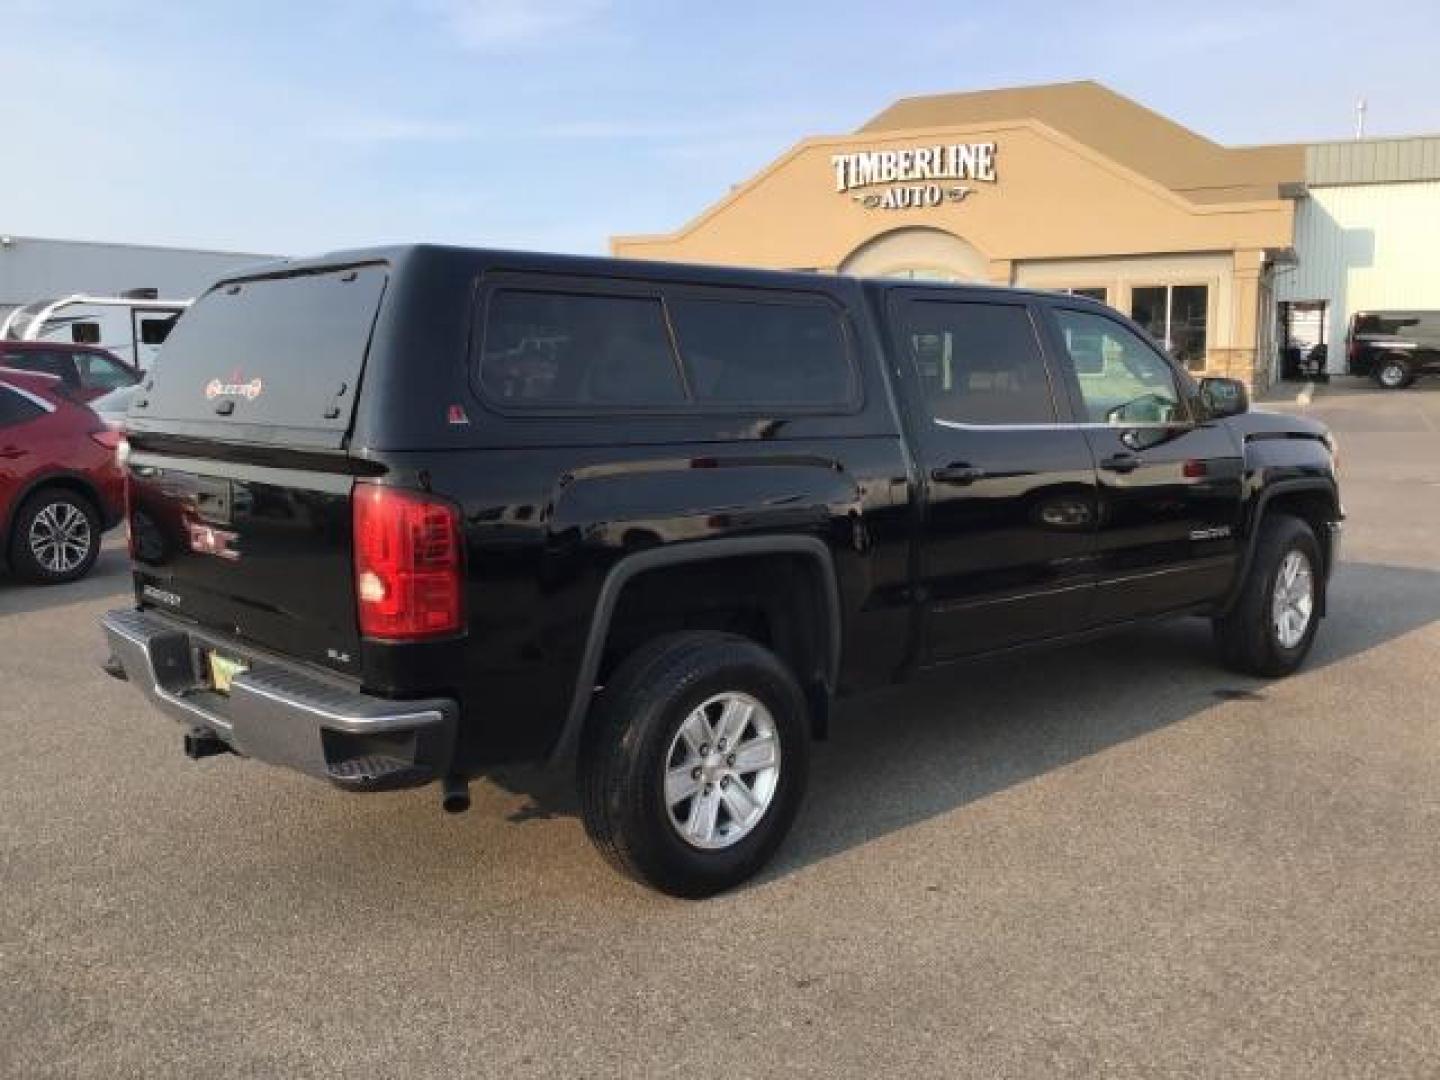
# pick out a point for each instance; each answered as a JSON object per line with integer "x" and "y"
{"x": 133, "y": 325}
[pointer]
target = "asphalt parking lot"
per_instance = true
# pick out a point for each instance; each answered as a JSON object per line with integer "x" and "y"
{"x": 1116, "y": 860}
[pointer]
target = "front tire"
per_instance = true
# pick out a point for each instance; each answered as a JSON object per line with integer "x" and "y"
{"x": 55, "y": 537}
{"x": 694, "y": 765}
{"x": 1270, "y": 628}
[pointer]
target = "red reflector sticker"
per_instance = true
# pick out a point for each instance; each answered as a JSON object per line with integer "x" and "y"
{"x": 456, "y": 415}
{"x": 1195, "y": 468}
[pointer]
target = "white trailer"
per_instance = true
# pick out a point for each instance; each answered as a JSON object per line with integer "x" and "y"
{"x": 131, "y": 326}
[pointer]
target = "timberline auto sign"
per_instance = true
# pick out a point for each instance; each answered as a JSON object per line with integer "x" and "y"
{"x": 909, "y": 178}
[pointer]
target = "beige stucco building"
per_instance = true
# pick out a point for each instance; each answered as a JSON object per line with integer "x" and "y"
{"x": 1068, "y": 186}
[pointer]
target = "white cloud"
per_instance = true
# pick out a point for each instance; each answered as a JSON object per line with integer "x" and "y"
{"x": 487, "y": 25}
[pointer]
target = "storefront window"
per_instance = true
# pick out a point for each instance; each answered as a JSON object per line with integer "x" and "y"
{"x": 1189, "y": 305}
{"x": 1147, "y": 307}
{"x": 1175, "y": 316}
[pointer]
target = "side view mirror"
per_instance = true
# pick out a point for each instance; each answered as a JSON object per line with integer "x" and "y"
{"x": 1224, "y": 397}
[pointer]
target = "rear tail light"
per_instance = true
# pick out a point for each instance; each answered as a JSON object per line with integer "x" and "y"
{"x": 409, "y": 566}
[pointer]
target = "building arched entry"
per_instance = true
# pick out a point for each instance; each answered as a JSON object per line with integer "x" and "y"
{"x": 918, "y": 252}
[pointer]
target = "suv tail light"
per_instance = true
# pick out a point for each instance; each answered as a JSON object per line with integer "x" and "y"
{"x": 409, "y": 568}
{"x": 109, "y": 438}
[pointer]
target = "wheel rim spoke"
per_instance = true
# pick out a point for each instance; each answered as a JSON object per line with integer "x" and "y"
{"x": 704, "y": 813}
{"x": 734, "y": 719}
{"x": 696, "y": 733}
{"x": 755, "y": 754}
{"x": 744, "y": 807}
{"x": 680, "y": 784}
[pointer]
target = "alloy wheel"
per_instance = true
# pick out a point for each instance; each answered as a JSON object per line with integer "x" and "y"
{"x": 722, "y": 770}
{"x": 1293, "y": 601}
{"x": 60, "y": 537}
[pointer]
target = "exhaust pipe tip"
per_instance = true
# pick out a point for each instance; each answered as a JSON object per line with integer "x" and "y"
{"x": 202, "y": 744}
{"x": 455, "y": 795}
{"x": 114, "y": 668}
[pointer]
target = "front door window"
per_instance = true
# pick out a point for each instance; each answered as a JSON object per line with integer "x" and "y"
{"x": 1122, "y": 380}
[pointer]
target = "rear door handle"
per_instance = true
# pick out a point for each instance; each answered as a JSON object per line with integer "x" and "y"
{"x": 1122, "y": 463}
{"x": 957, "y": 473}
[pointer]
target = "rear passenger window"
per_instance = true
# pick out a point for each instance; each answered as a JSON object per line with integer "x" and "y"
{"x": 559, "y": 349}
{"x": 741, "y": 352}
{"x": 45, "y": 362}
{"x": 979, "y": 363}
{"x": 15, "y": 409}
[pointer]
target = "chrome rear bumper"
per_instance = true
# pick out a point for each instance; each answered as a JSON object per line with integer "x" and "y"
{"x": 281, "y": 713}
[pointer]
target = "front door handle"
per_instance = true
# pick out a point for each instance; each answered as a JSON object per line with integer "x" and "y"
{"x": 11, "y": 452}
{"x": 957, "y": 472}
{"x": 1122, "y": 463}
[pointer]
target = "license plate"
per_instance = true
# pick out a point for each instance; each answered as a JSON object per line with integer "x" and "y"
{"x": 223, "y": 670}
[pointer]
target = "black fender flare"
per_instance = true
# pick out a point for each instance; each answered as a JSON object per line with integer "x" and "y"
{"x": 622, "y": 572}
{"x": 1262, "y": 501}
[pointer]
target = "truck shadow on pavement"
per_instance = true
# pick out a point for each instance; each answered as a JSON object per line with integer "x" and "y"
{"x": 959, "y": 735}
{"x": 110, "y": 577}
{"x": 914, "y": 752}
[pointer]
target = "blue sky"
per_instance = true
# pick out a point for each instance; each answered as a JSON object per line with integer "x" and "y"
{"x": 300, "y": 126}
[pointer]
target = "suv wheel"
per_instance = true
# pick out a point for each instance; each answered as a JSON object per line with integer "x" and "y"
{"x": 693, "y": 768}
{"x": 55, "y": 537}
{"x": 1270, "y": 629}
{"x": 1393, "y": 373}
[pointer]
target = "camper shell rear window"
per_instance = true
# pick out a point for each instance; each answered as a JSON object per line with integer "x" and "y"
{"x": 273, "y": 359}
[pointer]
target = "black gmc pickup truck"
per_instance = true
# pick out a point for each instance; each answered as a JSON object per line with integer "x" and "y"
{"x": 408, "y": 514}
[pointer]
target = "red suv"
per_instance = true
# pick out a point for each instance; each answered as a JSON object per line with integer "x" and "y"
{"x": 60, "y": 485}
{"x": 87, "y": 371}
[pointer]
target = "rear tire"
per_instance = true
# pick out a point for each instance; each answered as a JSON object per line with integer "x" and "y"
{"x": 663, "y": 794}
{"x": 1272, "y": 624}
{"x": 1393, "y": 372}
{"x": 55, "y": 537}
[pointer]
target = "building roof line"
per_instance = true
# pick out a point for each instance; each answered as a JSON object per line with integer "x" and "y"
{"x": 1118, "y": 126}
{"x": 19, "y": 238}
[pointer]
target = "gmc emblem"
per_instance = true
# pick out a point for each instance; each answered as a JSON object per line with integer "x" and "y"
{"x": 208, "y": 540}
